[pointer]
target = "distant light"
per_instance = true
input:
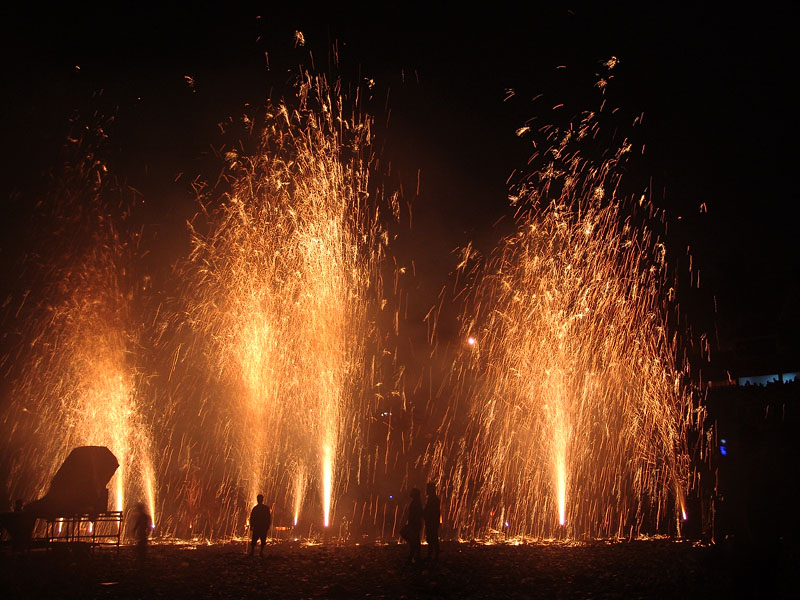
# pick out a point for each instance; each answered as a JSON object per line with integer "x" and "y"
{"x": 391, "y": 497}
{"x": 756, "y": 380}
{"x": 471, "y": 341}
{"x": 723, "y": 450}
{"x": 506, "y": 523}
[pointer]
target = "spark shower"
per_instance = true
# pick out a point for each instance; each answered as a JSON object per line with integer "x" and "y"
{"x": 263, "y": 364}
{"x": 578, "y": 410}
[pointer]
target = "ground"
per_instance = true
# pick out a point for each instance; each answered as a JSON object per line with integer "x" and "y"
{"x": 638, "y": 569}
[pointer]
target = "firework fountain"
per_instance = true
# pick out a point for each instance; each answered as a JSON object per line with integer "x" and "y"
{"x": 578, "y": 410}
{"x": 78, "y": 377}
{"x": 569, "y": 410}
{"x": 284, "y": 282}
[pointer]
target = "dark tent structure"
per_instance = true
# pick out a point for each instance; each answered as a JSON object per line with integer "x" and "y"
{"x": 79, "y": 485}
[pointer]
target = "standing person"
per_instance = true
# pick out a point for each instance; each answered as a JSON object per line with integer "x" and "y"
{"x": 413, "y": 527}
{"x": 432, "y": 513}
{"x": 260, "y": 520}
{"x": 142, "y": 525}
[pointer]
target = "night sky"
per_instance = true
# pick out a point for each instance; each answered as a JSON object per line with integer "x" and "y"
{"x": 715, "y": 85}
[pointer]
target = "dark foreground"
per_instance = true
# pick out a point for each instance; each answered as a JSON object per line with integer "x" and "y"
{"x": 639, "y": 569}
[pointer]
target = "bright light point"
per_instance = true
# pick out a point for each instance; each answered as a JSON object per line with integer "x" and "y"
{"x": 119, "y": 503}
{"x": 471, "y": 341}
{"x": 299, "y": 491}
{"x": 327, "y": 482}
{"x": 684, "y": 515}
{"x": 561, "y": 476}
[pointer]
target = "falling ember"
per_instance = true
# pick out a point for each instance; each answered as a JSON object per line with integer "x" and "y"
{"x": 578, "y": 407}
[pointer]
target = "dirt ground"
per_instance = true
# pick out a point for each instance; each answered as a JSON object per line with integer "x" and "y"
{"x": 638, "y": 569}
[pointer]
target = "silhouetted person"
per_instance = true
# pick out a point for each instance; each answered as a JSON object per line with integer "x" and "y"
{"x": 260, "y": 520}
{"x": 432, "y": 513}
{"x": 19, "y": 525}
{"x": 142, "y": 524}
{"x": 413, "y": 527}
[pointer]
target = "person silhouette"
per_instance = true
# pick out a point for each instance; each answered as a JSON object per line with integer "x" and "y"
{"x": 142, "y": 524}
{"x": 413, "y": 527}
{"x": 19, "y": 526}
{"x": 260, "y": 520}
{"x": 432, "y": 514}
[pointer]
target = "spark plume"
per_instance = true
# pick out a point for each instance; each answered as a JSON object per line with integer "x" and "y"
{"x": 578, "y": 408}
{"x": 78, "y": 378}
{"x": 268, "y": 368}
{"x": 284, "y": 284}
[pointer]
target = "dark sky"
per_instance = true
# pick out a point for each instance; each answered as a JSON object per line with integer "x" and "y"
{"x": 715, "y": 83}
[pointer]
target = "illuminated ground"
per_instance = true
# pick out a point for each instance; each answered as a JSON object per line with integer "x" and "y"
{"x": 648, "y": 569}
